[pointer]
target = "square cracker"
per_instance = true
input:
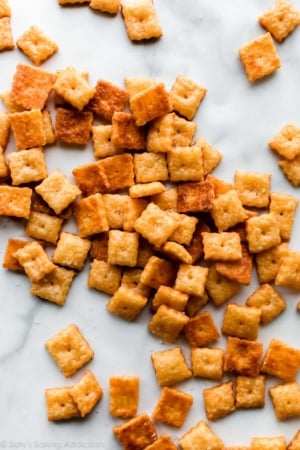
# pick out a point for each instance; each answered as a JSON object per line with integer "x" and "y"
{"x": 102, "y": 143}
{"x": 287, "y": 142}
{"x": 239, "y": 271}
{"x": 72, "y": 126}
{"x": 36, "y": 45}
{"x": 141, "y": 190}
{"x": 227, "y": 210}
{"x": 243, "y": 356}
{"x": 55, "y": 286}
{"x": 268, "y": 443}
{"x": 167, "y": 323}
{"x": 219, "y": 400}
{"x": 57, "y": 191}
{"x": 166, "y": 295}
{"x": 186, "y": 96}
{"x": 177, "y": 252}
{"x": 241, "y": 321}
{"x": 15, "y": 201}
{"x": 86, "y": 393}
{"x": 127, "y": 302}
{"x": 172, "y": 407}
{"x": 269, "y": 261}
{"x": 150, "y": 167}
{"x": 4, "y": 129}
{"x": 5, "y": 10}
{"x": 108, "y": 99}
{"x": 201, "y": 330}
{"x": 107, "y": 6}
{"x": 250, "y": 391}
{"x": 295, "y": 442}
{"x": 73, "y": 87}
{"x": 211, "y": 157}
{"x": 122, "y": 248}
{"x": 284, "y": 207}
{"x": 281, "y": 360}
{"x": 71, "y": 251}
{"x": 137, "y": 433}
{"x": 291, "y": 170}
{"x": 28, "y": 129}
{"x": 27, "y": 166}
{"x": 224, "y": 246}
{"x": 9, "y": 261}
{"x": 157, "y": 272}
{"x": 44, "y": 227}
{"x": 253, "y": 188}
{"x": 170, "y": 366}
{"x": 280, "y": 19}
{"x": 185, "y": 163}
{"x": 286, "y": 400}
{"x": 259, "y": 57}
{"x": 200, "y": 437}
{"x": 60, "y": 405}
{"x": 69, "y": 349}
{"x": 191, "y": 279}
{"x": 288, "y": 274}
{"x": 156, "y": 225}
{"x": 163, "y": 442}
{"x": 207, "y": 362}
{"x": 195, "y": 197}
{"x": 34, "y": 261}
{"x": 169, "y": 131}
{"x": 6, "y": 37}
{"x": 125, "y": 133}
{"x": 90, "y": 215}
{"x": 104, "y": 276}
{"x": 262, "y": 232}
{"x": 151, "y": 103}
{"x": 91, "y": 178}
{"x": 141, "y": 20}
{"x": 269, "y": 301}
{"x": 219, "y": 287}
{"x": 118, "y": 170}
{"x": 123, "y": 396}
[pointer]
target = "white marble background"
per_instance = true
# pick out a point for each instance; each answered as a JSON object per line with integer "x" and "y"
{"x": 201, "y": 40}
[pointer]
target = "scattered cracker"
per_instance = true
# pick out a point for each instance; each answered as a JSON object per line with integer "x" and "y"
{"x": 122, "y": 248}
{"x": 243, "y": 356}
{"x": 5, "y": 10}
{"x": 259, "y": 57}
{"x": 201, "y": 330}
{"x": 202, "y": 437}
{"x": 186, "y": 96}
{"x": 269, "y": 301}
{"x": 284, "y": 207}
{"x": 15, "y": 201}
{"x": 90, "y": 215}
{"x": 60, "y": 405}
{"x": 167, "y": 323}
{"x": 151, "y": 103}
{"x": 36, "y": 45}
{"x": 34, "y": 261}
{"x": 137, "y": 433}
{"x": 69, "y": 349}
{"x": 108, "y": 99}
{"x": 57, "y": 191}
{"x": 71, "y": 251}
{"x": 281, "y": 360}
{"x": 107, "y": 6}
{"x": 9, "y": 261}
{"x": 141, "y": 20}
{"x": 172, "y": 407}
{"x": 195, "y": 197}
{"x": 170, "y": 366}
{"x": 219, "y": 287}
{"x": 191, "y": 279}
{"x": 263, "y": 232}
{"x": 280, "y": 19}
{"x": 268, "y": 262}
{"x": 287, "y": 142}
{"x": 28, "y": 129}
{"x": 86, "y": 393}
{"x": 268, "y": 443}
{"x": 253, "y": 188}
{"x": 219, "y": 400}
{"x": 44, "y": 227}
{"x": 104, "y": 277}
{"x": 73, "y": 127}
{"x": 250, "y": 391}
{"x": 239, "y": 271}
{"x": 227, "y": 210}
{"x": 127, "y": 303}
{"x": 166, "y": 295}
{"x": 140, "y": 190}
{"x": 27, "y": 166}
{"x": 102, "y": 143}
{"x": 123, "y": 396}
{"x": 289, "y": 271}
{"x": 73, "y": 87}
{"x": 207, "y": 362}
{"x": 125, "y": 133}
{"x": 6, "y": 37}
{"x": 224, "y": 246}
{"x": 241, "y": 321}
{"x": 286, "y": 400}
{"x": 55, "y": 286}
{"x": 291, "y": 170}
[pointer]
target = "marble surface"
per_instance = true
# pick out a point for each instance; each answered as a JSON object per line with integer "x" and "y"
{"x": 201, "y": 40}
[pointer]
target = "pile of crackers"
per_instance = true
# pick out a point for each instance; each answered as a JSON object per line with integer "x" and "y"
{"x": 159, "y": 231}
